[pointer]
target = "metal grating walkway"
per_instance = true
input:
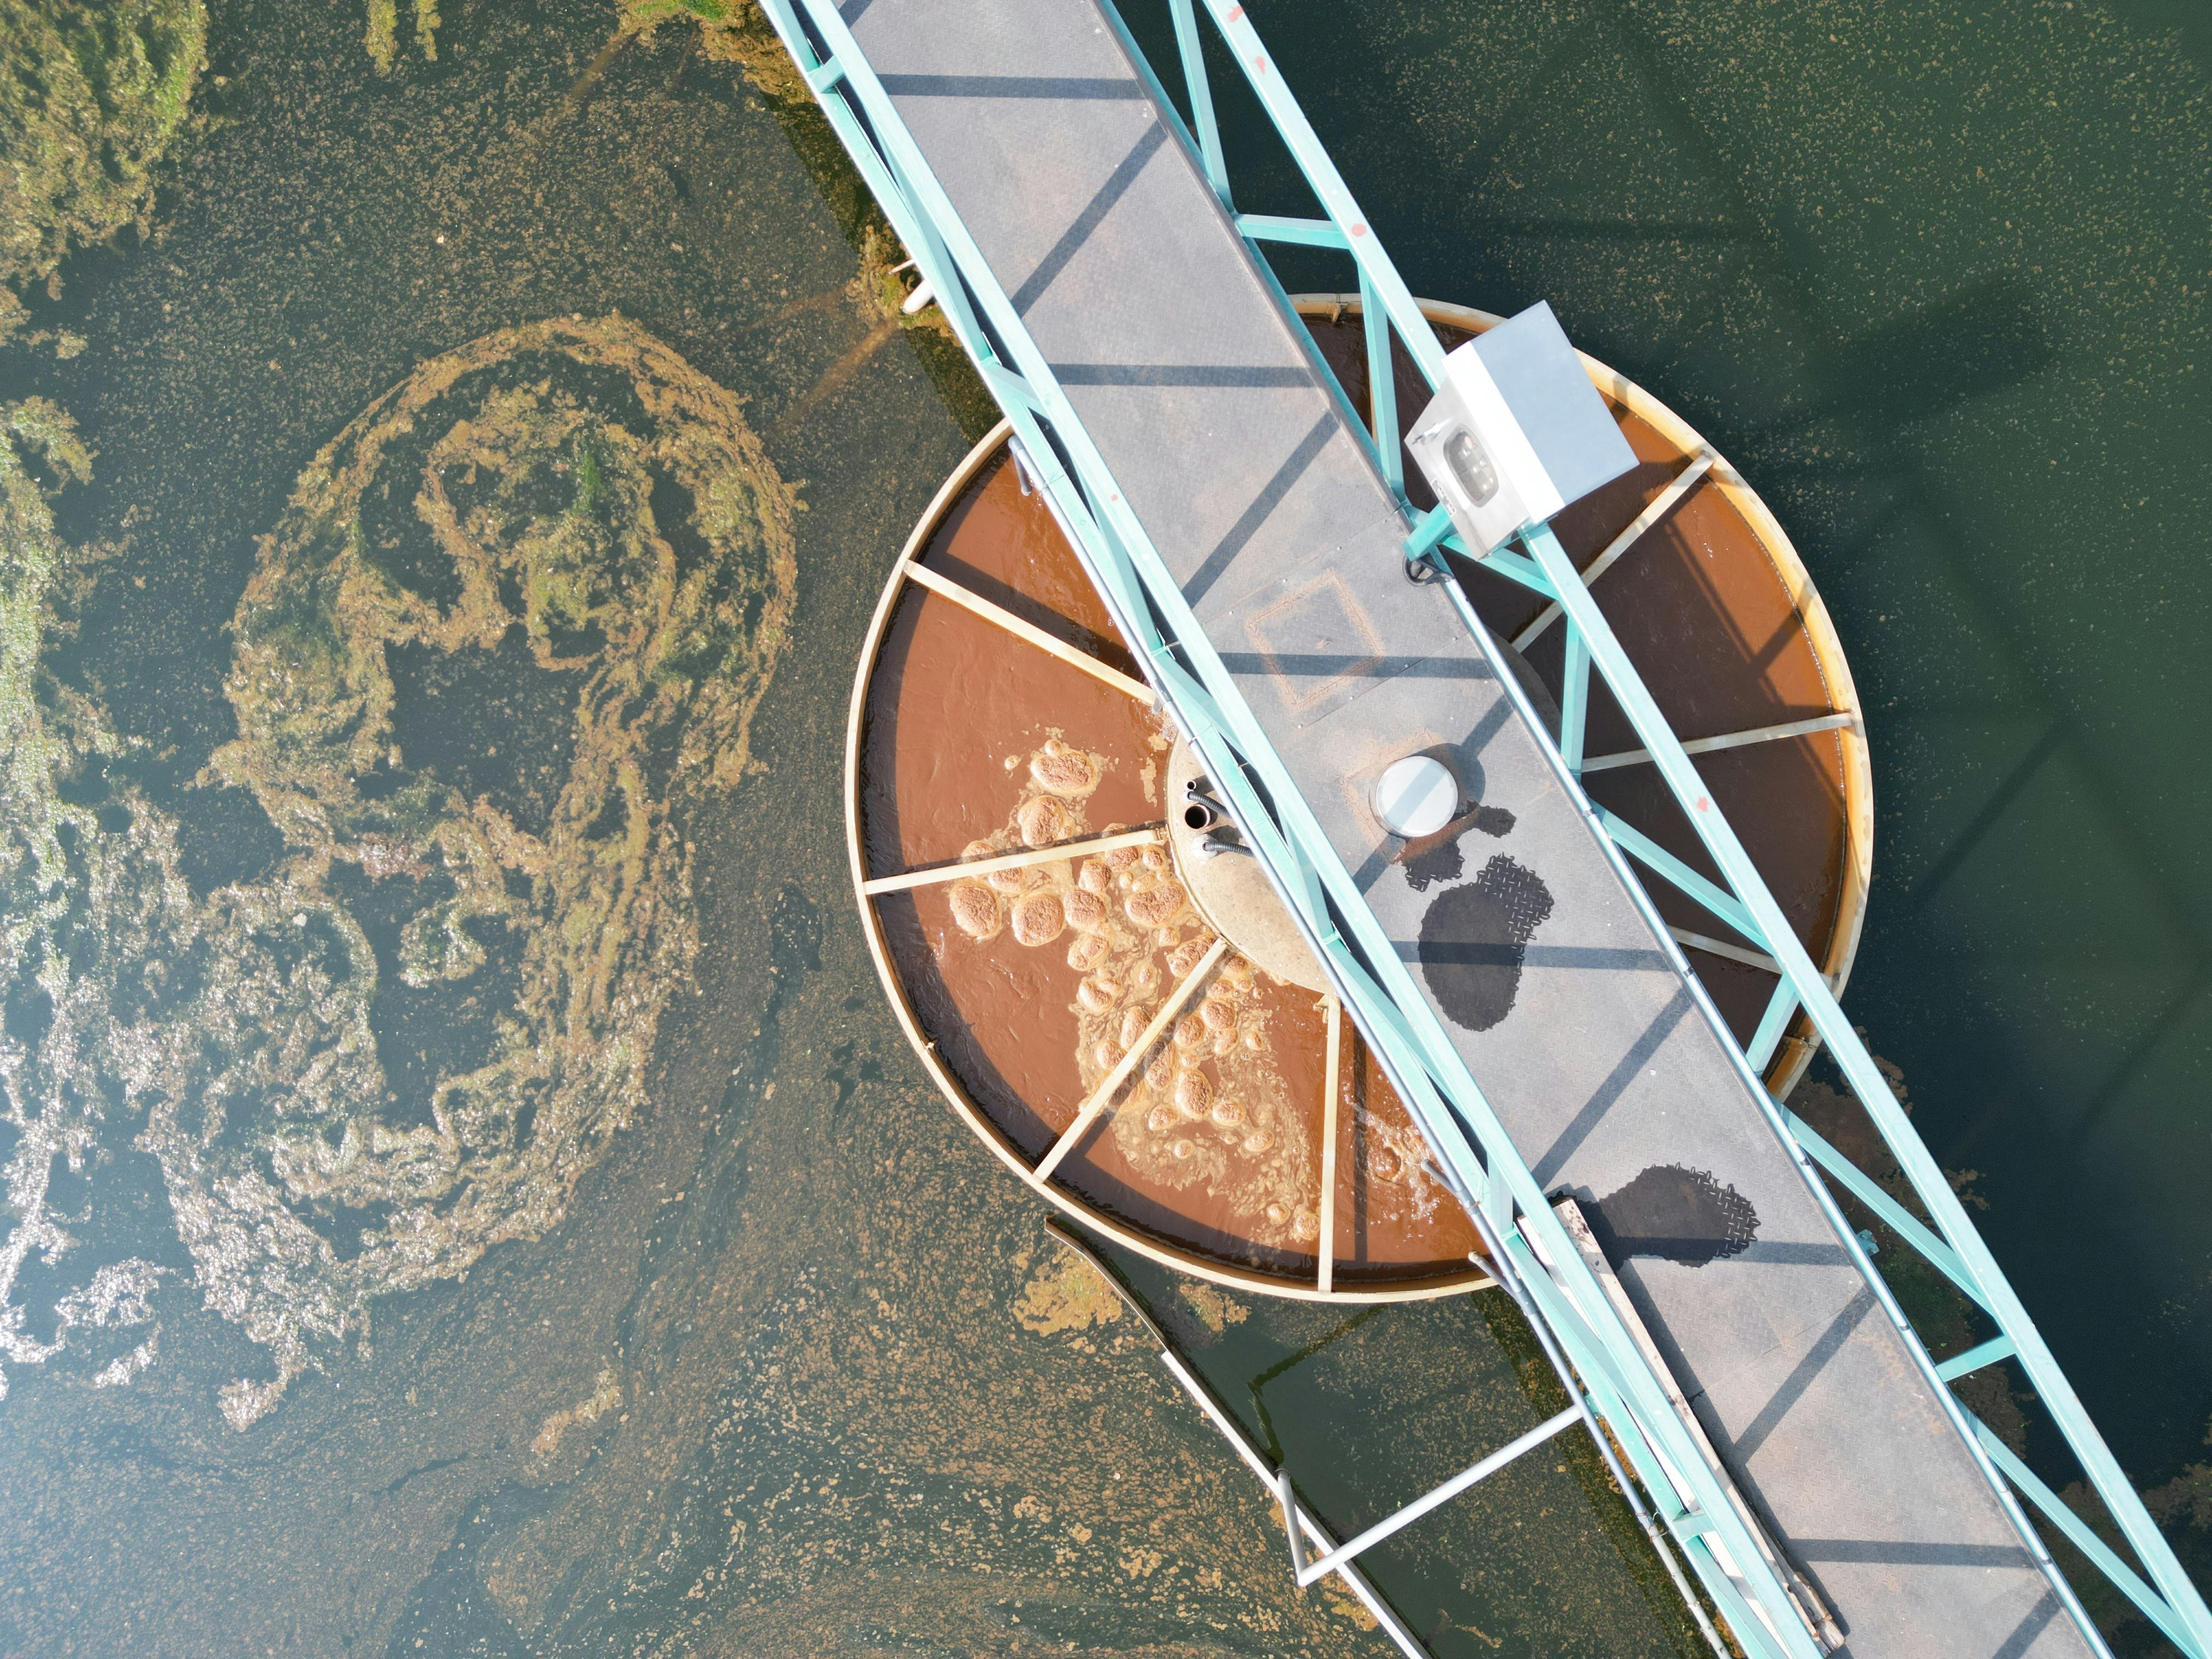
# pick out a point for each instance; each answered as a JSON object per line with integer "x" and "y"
{"x": 1025, "y": 137}
{"x": 1211, "y": 409}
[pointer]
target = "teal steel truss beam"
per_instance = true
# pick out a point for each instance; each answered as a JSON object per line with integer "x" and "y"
{"x": 1954, "y": 1245}
{"x": 1477, "y": 1160}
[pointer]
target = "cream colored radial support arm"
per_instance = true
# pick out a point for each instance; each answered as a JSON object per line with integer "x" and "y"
{"x": 1103, "y": 1096}
{"x": 1067, "y": 850}
{"x": 999, "y": 615}
{"x": 1835, "y": 721}
{"x": 1661, "y": 505}
{"x": 1721, "y": 947}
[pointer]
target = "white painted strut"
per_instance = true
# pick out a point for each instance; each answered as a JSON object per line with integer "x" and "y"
{"x": 1309, "y": 1571}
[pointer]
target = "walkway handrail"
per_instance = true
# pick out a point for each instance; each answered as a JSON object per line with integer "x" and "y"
{"x": 1479, "y": 1159}
{"x": 2174, "y": 1605}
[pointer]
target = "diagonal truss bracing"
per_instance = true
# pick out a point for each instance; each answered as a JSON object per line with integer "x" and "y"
{"x": 1529, "y": 1249}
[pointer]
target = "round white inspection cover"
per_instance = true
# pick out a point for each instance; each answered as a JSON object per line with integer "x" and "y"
{"x": 1416, "y": 796}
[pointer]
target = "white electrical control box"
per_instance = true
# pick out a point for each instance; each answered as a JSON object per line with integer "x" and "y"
{"x": 1515, "y": 431}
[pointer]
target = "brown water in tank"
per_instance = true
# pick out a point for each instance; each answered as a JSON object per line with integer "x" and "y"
{"x": 1713, "y": 628}
{"x": 1213, "y": 1145}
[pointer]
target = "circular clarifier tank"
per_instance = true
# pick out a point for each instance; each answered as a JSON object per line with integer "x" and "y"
{"x": 1101, "y": 978}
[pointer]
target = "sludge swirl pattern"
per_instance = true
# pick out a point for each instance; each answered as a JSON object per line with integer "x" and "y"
{"x": 408, "y": 1042}
{"x": 1209, "y": 1105}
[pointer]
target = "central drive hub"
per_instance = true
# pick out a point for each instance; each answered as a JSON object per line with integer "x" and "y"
{"x": 1225, "y": 879}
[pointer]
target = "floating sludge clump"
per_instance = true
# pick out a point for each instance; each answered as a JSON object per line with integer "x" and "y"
{"x": 1208, "y": 1103}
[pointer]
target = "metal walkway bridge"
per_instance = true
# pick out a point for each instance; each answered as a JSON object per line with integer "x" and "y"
{"x": 1253, "y": 541}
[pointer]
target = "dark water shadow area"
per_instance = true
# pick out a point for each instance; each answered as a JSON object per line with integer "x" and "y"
{"x": 1371, "y": 1407}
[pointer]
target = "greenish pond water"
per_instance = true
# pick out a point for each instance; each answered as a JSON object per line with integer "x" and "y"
{"x": 400, "y": 1265}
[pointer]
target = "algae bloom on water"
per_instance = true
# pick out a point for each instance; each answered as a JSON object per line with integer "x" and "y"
{"x": 513, "y": 623}
{"x": 91, "y": 95}
{"x": 90, "y": 908}
{"x": 524, "y": 603}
